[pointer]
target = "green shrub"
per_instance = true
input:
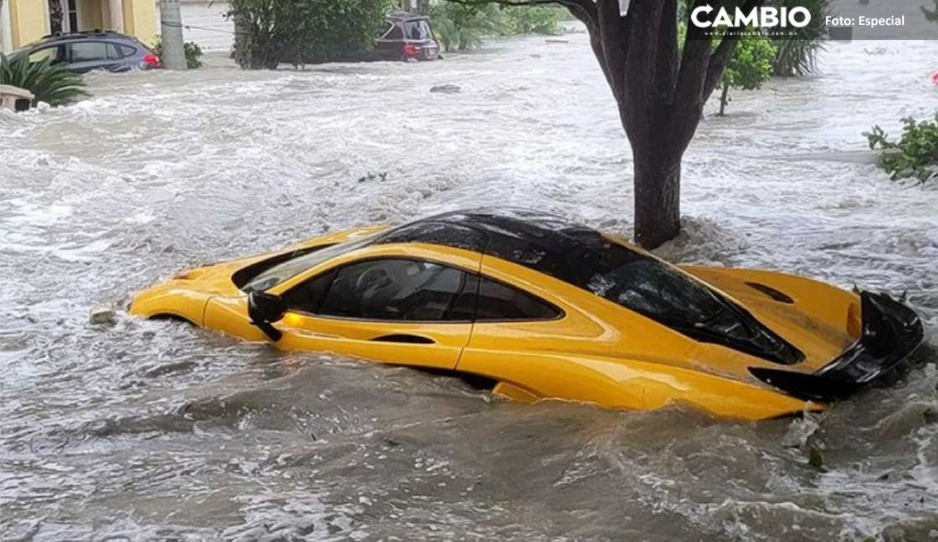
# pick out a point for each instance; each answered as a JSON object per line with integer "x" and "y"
{"x": 192, "y": 51}
{"x": 750, "y": 67}
{"x": 915, "y": 155}
{"x": 50, "y": 83}
{"x": 302, "y": 31}
{"x": 462, "y": 26}
{"x": 534, "y": 19}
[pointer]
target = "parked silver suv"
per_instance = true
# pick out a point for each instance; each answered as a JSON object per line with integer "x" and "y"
{"x": 95, "y": 50}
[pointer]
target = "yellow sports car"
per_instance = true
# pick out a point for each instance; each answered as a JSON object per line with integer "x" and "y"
{"x": 545, "y": 308}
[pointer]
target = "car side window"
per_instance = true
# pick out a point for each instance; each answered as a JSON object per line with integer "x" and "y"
{"x": 388, "y": 26}
{"x": 46, "y": 52}
{"x": 383, "y": 289}
{"x": 499, "y": 302}
{"x": 115, "y": 52}
{"x": 308, "y": 296}
{"x": 417, "y": 30}
{"x": 395, "y": 33}
{"x": 88, "y": 50}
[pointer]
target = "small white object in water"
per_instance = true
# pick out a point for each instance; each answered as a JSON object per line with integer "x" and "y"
{"x": 102, "y": 314}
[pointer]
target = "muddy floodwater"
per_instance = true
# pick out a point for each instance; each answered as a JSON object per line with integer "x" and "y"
{"x": 158, "y": 431}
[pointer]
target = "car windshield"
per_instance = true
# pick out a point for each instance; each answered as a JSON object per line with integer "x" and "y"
{"x": 417, "y": 30}
{"x": 667, "y": 295}
{"x": 651, "y": 288}
{"x": 292, "y": 267}
{"x": 589, "y": 260}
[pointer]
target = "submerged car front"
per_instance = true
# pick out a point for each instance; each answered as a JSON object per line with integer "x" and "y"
{"x": 186, "y": 295}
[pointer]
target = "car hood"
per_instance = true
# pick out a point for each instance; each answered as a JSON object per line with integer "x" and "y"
{"x": 820, "y": 320}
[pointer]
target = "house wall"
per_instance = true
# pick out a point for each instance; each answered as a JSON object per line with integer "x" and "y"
{"x": 140, "y": 19}
{"x": 91, "y": 15}
{"x": 29, "y": 20}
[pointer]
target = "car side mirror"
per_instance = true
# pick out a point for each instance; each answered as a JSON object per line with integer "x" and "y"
{"x": 264, "y": 309}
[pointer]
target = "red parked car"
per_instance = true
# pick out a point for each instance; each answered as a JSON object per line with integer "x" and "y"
{"x": 406, "y": 37}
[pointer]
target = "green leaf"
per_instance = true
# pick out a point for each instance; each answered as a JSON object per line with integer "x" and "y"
{"x": 50, "y": 83}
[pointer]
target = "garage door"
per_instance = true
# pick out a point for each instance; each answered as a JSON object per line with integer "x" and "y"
{"x": 205, "y": 23}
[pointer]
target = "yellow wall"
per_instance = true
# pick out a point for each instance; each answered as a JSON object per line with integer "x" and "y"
{"x": 92, "y": 16}
{"x": 29, "y": 21}
{"x": 140, "y": 19}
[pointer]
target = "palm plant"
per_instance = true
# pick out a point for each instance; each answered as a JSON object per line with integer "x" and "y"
{"x": 797, "y": 54}
{"x": 50, "y": 83}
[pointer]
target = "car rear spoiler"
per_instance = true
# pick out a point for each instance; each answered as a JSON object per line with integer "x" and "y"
{"x": 891, "y": 332}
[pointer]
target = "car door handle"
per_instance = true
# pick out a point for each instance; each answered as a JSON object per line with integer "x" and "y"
{"x": 404, "y": 338}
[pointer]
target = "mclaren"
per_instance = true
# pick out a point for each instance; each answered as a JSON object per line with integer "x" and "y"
{"x": 545, "y": 308}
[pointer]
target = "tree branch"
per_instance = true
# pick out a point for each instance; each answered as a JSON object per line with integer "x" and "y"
{"x": 723, "y": 53}
{"x": 667, "y": 66}
{"x": 639, "y": 99}
{"x": 613, "y": 40}
{"x": 692, "y": 74}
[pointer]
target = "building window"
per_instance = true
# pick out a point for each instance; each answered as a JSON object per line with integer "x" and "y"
{"x": 72, "y": 15}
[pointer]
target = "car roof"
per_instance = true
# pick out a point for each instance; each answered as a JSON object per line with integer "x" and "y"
{"x": 83, "y": 35}
{"x": 541, "y": 241}
{"x": 405, "y": 16}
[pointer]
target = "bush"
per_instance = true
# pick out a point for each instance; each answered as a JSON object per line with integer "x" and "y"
{"x": 301, "y": 31}
{"x": 192, "y": 51}
{"x": 50, "y": 83}
{"x": 915, "y": 155}
{"x": 534, "y": 19}
{"x": 750, "y": 67}
{"x": 463, "y": 26}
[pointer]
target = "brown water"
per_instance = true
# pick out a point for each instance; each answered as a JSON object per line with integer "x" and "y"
{"x": 156, "y": 431}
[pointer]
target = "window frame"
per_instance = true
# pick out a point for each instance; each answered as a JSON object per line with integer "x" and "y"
{"x": 71, "y": 54}
{"x": 561, "y": 314}
{"x": 384, "y": 35}
{"x": 396, "y": 25}
{"x": 334, "y": 270}
{"x": 56, "y": 58}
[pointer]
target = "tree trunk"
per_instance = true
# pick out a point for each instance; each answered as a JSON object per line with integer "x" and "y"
{"x": 657, "y": 198}
{"x": 724, "y": 99}
{"x": 661, "y": 89}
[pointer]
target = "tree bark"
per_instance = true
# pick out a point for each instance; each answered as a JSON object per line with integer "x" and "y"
{"x": 724, "y": 99}
{"x": 657, "y": 182}
{"x": 660, "y": 90}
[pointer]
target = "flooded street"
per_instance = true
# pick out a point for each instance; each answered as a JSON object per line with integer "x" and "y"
{"x": 158, "y": 431}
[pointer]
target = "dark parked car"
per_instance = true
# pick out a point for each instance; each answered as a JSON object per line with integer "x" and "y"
{"x": 405, "y": 37}
{"x": 86, "y": 51}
